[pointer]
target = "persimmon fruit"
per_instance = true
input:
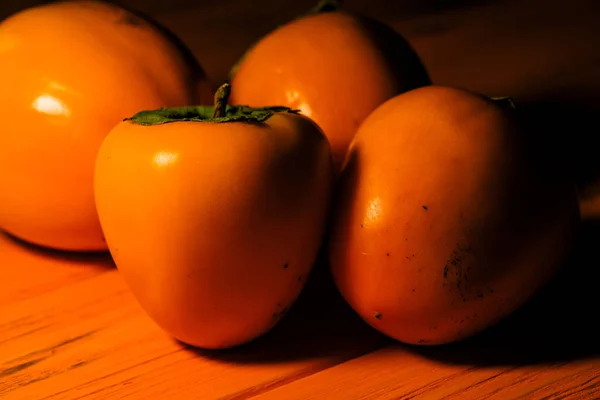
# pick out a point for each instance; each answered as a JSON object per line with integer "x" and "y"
{"x": 334, "y": 66}
{"x": 215, "y": 215}
{"x": 446, "y": 218}
{"x": 72, "y": 71}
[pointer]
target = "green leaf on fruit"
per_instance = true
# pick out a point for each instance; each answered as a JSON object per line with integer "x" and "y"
{"x": 205, "y": 114}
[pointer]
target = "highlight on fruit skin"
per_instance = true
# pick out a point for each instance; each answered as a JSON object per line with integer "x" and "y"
{"x": 214, "y": 215}
{"x": 75, "y": 69}
{"x": 334, "y": 66}
{"x": 447, "y": 218}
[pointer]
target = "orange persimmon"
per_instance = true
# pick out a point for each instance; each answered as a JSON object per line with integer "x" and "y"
{"x": 215, "y": 222}
{"x": 72, "y": 71}
{"x": 334, "y": 66}
{"x": 447, "y": 218}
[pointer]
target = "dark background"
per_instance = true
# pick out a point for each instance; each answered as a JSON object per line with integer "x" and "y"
{"x": 526, "y": 48}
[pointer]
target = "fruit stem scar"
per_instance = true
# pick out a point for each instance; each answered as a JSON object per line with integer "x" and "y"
{"x": 221, "y": 98}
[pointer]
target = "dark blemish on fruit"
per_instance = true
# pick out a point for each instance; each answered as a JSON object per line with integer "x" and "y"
{"x": 457, "y": 272}
{"x": 280, "y": 314}
{"x": 361, "y": 225}
{"x": 278, "y": 304}
{"x": 425, "y": 208}
{"x": 405, "y": 239}
{"x": 408, "y": 258}
{"x": 377, "y": 315}
{"x": 413, "y": 290}
{"x": 299, "y": 278}
{"x": 130, "y": 19}
{"x": 421, "y": 340}
{"x": 387, "y": 254}
{"x": 285, "y": 266}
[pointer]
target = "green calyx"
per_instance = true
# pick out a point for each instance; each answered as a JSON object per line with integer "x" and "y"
{"x": 504, "y": 102}
{"x": 325, "y": 6}
{"x": 219, "y": 113}
{"x": 205, "y": 114}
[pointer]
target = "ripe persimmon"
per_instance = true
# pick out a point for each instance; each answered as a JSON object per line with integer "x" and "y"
{"x": 215, "y": 222}
{"x": 72, "y": 71}
{"x": 447, "y": 218}
{"x": 334, "y": 66}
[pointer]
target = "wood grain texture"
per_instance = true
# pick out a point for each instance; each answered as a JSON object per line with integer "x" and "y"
{"x": 70, "y": 328}
{"x": 395, "y": 373}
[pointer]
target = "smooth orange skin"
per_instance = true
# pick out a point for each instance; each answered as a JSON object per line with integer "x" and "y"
{"x": 334, "y": 67}
{"x": 72, "y": 71}
{"x": 445, "y": 219}
{"x": 215, "y": 227}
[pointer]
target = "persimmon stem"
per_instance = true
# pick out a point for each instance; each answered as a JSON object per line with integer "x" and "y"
{"x": 221, "y": 98}
{"x": 504, "y": 102}
{"x": 326, "y": 6}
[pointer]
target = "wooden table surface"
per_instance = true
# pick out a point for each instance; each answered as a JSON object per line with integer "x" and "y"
{"x": 70, "y": 328}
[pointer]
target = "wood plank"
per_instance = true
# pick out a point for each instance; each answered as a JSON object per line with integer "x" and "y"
{"x": 25, "y": 274}
{"x": 89, "y": 337}
{"x": 398, "y": 373}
